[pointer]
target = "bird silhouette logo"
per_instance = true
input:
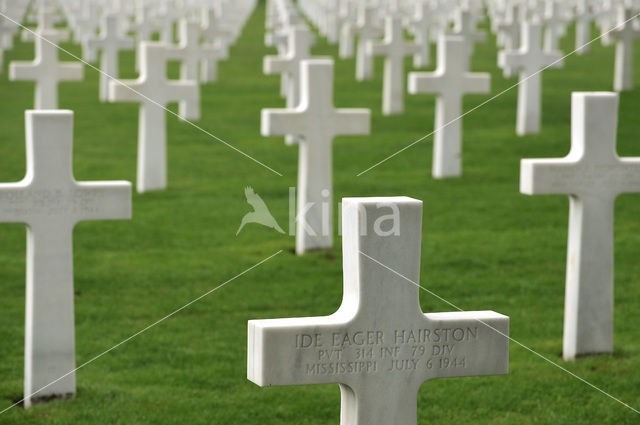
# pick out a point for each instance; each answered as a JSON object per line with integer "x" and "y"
{"x": 260, "y": 213}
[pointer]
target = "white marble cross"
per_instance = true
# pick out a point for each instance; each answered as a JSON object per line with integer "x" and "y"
{"x": 213, "y": 28}
{"x": 466, "y": 28}
{"x": 593, "y": 175}
{"x": 110, "y": 41}
{"x": 394, "y": 47}
{"x": 421, "y": 24}
{"x": 367, "y": 31}
{"x": 85, "y": 29}
{"x": 606, "y": 17}
{"x": 190, "y": 53}
{"x": 143, "y": 25}
{"x": 530, "y": 60}
{"x": 625, "y": 34}
{"x": 189, "y": 50}
{"x": 583, "y": 17}
{"x": 217, "y": 37}
{"x": 7, "y": 31}
{"x": 347, "y": 19}
{"x": 300, "y": 40}
{"x": 51, "y": 202}
{"x": 46, "y": 71}
{"x": 317, "y": 121}
{"x": 279, "y": 39}
{"x": 215, "y": 52}
{"x": 509, "y": 32}
{"x": 153, "y": 91}
{"x": 450, "y": 82}
{"x": 556, "y": 23}
{"x": 330, "y": 21}
{"x": 379, "y": 346}
{"x": 166, "y": 15}
{"x": 47, "y": 18}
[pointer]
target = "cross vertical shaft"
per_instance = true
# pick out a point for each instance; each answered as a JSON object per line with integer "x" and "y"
{"x": 49, "y": 331}
{"x": 152, "y": 148}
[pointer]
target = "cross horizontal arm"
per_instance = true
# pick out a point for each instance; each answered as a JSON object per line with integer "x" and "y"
{"x": 477, "y": 83}
{"x": 631, "y": 169}
{"x": 352, "y": 122}
{"x": 24, "y": 71}
{"x": 213, "y": 51}
{"x": 70, "y": 72}
{"x": 378, "y": 49}
{"x": 411, "y": 48}
{"x": 125, "y": 91}
{"x": 96, "y": 43}
{"x": 277, "y": 65}
{"x": 278, "y": 122}
{"x": 11, "y": 195}
{"x": 108, "y": 200}
{"x": 126, "y": 44}
{"x": 479, "y": 342}
{"x": 179, "y": 91}
{"x": 274, "y": 39}
{"x": 553, "y": 60}
{"x": 425, "y": 82}
{"x": 548, "y": 177}
{"x": 513, "y": 59}
{"x": 277, "y": 344}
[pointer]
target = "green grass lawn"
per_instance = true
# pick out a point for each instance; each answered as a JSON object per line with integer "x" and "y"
{"x": 485, "y": 246}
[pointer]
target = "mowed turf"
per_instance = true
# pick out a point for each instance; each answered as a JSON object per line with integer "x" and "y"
{"x": 485, "y": 246}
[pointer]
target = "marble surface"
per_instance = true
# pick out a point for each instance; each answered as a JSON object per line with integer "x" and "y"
{"x": 51, "y": 202}
{"x": 593, "y": 176}
{"x": 379, "y": 346}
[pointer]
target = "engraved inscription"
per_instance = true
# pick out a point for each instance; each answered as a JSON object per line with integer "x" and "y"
{"x": 48, "y": 202}
{"x": 590, "y": 177}
{"x": 372, "y": 351}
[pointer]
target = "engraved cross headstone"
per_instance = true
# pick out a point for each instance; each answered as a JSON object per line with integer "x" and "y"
{"x": 394, "y": 47}
{"x": 584, "y": 17}
{"x": 143, "y": 25}
{"x": 366, "y": 31}
{"x": 110, "y": 41}
{"x": 555, "y": 21}
{"x": 421, "y": 25}
{"x": 217, "y": 37}
{"x": 51, "y": 202}
{"x": 625, "y": 35}
{"x": 153, "y": 91}
{"x": 347, "y": 19}
{"x": 46, "y": 71}
{"x": 530, "y": 60}
{"x": 7, "y": 31}
{"x": 593, "y": 175}
{"x": 509, "y": 33}
{"x": 47, "y": 18}
{"x": 190, "y": 52}
{"x": 450, "y": 82}
{"x": 379, "y": 346}
{"x": 465, "y": 27}
{"x": 85, "y": 28}
{"x": 317, "y": 121}
{"x": 300, "y": 40}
